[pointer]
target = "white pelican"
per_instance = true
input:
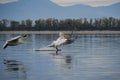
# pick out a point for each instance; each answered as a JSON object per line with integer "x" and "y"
{"x": 64, "y": 39}
{"x": 16, "y": 41}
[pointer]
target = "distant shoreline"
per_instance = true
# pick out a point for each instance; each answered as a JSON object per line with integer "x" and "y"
{"x": 56, "y": 32}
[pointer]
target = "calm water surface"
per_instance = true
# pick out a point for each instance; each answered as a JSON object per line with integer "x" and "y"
{"x": 90, "y": 57}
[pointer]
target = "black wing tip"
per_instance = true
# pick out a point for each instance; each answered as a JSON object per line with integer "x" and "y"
{"x": 4, "y": 47}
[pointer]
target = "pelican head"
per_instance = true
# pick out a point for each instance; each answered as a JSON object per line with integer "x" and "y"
{"x": 63, "y": 35}
{"x": 24, "y": 35}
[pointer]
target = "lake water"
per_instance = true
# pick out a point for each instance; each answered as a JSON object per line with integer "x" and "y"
{"x": 90, "y": 57}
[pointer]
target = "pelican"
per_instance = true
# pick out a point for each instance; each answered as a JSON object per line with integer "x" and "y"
{"x": 16, "y": 41}
{"x": 64, "y": 39}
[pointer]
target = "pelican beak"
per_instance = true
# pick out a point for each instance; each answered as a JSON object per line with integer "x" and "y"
{"x": 27, "y": 39}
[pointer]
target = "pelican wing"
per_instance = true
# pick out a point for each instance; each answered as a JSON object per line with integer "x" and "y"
{"x": 22, "y": 38}
{"x": 60, "y": 41}
{"x": 19, "y": 39}
{"x": 11, "y": 41}
{"x": 5, "y": 45}
{"x": 15, "y": 38}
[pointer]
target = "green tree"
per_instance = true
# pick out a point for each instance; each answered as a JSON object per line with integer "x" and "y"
{"x": 49, "y": 23}
{"x": 28, "y": 23}
{"x": 4, "y": 22}
{"x": 14, "y": 25}
{"x": 40, "y": 24}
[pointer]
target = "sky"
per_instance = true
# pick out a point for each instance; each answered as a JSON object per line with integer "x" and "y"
{"x": 60, "y": 9}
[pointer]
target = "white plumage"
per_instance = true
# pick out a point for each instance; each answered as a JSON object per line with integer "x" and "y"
{"x": 16, "y": 41}
{"x": 60, "y": 41}
{"x": 64, "y": 39}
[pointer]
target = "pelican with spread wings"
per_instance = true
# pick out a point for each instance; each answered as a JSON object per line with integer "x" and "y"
{"x": 16, "y": 41}
{"x": 64, "y": 39}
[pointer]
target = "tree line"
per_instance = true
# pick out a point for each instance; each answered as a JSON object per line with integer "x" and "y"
{"x": 53, "y": 24}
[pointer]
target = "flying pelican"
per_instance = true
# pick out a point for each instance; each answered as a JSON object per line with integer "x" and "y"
{"x": 16, "y": 41}
{"x": 64, "y": 39}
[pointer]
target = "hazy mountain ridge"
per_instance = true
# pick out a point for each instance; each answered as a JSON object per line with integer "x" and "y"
{"x": 34, "y": 10}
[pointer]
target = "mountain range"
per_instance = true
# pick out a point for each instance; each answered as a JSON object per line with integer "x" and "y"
{"x": 30, "y": 9}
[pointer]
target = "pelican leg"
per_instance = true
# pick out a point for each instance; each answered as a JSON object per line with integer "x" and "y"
{"x": 57, "y": 48}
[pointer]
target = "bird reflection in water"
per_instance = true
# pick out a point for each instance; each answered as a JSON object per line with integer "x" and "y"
{"x": 63, "y": 60}
{"x": 16, "y": 67}
{"x": 68, "y": 59}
